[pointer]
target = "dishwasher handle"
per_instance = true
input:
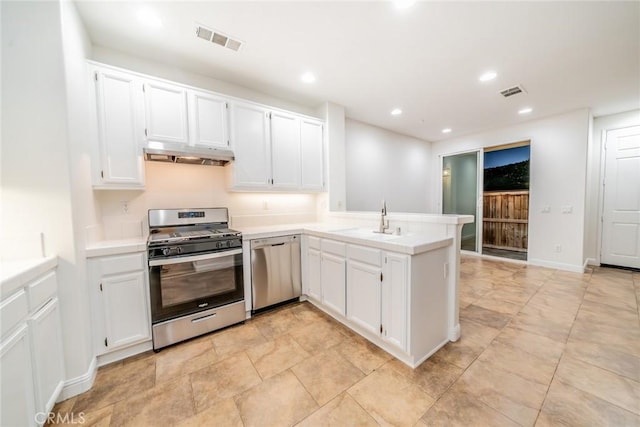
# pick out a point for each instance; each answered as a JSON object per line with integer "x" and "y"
{"x": 274, "y": 241}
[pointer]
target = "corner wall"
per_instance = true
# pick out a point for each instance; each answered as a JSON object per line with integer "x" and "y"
{"x": 381, "y": 164}
{"x": 557, "y": 179}
{"x": 37, "y": 169}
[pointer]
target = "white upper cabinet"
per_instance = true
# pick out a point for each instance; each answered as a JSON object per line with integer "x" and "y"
{"x": 120, "y": 130}
{"x": 312, "y": 155}
{"x": 166, "y": 113}
{"x": 251, "y": 146}
{"x": 288, "y": 157}
{"x": 274, "y": 150}
{"x": 285, "y": 150}
{"x": 208, "y": 120}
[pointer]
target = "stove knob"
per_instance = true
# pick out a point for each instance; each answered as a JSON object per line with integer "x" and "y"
{"x": 179, "y": 249}
{"x": 166, "y": 251}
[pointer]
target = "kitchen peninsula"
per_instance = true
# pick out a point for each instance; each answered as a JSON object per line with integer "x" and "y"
{"x": 398, "y": 291}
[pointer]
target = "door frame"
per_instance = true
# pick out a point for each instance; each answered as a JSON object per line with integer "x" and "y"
{"x": 479, "y": 185}
{"x": 602, "y": 189}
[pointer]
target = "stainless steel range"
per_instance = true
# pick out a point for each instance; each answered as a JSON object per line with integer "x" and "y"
{"x": 195, "y": 273}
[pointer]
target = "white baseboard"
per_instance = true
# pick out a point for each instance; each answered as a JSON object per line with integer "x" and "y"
{"x": 114, "y": 356}
{"x": 592, "y": 262}
{"x": 557, "y": 265}
{"x": 79, "y": 385}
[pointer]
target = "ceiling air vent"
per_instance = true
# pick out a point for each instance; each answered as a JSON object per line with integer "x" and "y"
{"x": 216, "y": 37}
{"x": 512, "y": 91}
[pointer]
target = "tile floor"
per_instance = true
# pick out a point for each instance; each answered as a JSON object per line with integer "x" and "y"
{"x": 539, "y": 347}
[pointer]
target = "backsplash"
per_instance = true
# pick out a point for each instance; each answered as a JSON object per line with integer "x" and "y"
{"x": 124, "y": 212}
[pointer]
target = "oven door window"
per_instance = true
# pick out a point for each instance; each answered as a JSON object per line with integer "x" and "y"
{"x": 192, "y": 281}
{"x": 190, "y": 286}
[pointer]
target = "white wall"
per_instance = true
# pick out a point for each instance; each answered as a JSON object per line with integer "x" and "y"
{"x": 37, "y": 190}
{"x": 381, "y": 164}
{"x": 558, "y": 174}
{"x": 594, "y": 178}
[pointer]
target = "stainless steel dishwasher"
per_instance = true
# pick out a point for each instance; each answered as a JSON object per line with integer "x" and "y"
{"x": 275, "y": 270}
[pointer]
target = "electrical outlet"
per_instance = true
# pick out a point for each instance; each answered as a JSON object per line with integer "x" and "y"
{"x": 265, "y": 205}
{"x": 566, "y": 209}
{"x": 558, "y": 248}
{"x": 125, "y": 206}
{"x": 546, "y": 209}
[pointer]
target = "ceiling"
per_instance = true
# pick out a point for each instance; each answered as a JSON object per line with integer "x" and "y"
{"x": 372, "y": 57}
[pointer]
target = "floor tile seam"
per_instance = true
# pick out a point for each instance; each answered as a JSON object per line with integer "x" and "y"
{"x": 594, "y": 396}
{"x": 262, "y": 380}
{"x": 624, "y": 377}
{"x": 500, "y": 411}
{"x": 358, "y": 403}
{"x": 605, "y": 302}
{"x": 309, "y": 391}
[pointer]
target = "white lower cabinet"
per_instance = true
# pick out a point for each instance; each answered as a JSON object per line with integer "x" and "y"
{"x": 363, "y": 295}
{"x": 376, "y": 289}
{"x": 125, "y": 310}
{"x": 120, "y": 301}
{"x": 397, "y": 301}
{"x": 333, "y": 280}
{"x": 314, "y": 286}
{"x": 394, "y": 307}
{"x": 18, "y": 393}
{"x": 31, "y": 354}
{"x": 48, "y": 363}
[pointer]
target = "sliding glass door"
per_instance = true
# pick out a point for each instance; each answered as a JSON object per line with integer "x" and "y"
{"x": 460, "y": 193}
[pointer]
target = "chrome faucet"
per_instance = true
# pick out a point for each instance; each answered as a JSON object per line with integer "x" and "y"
{"x": 384, "y": 224}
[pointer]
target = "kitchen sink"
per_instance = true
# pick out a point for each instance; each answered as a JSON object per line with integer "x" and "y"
{"x": 364, "y": 233}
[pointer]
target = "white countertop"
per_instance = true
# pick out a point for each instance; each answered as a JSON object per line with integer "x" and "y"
{"x": 15, "y": 274}
{"x": 115, "y": 247}
{"x": 410, "y": 243}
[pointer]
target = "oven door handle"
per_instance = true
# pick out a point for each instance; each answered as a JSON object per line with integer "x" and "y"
{"x": 180, "y": 260}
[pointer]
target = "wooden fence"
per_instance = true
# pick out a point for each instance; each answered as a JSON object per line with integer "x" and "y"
{"x": 505, "y": 221}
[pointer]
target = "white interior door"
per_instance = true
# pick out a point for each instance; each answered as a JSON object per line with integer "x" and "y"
{"x": 621, "y": 211}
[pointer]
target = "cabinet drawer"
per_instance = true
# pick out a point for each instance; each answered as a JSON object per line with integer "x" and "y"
{"x": 365, "y": 255}
{"x": 122, "y": 263}
{"x": 333, "y": 247}
{"x": 13, "y": 310}
{"x": 314, "y": 242}
{"x": 42, "y": 290}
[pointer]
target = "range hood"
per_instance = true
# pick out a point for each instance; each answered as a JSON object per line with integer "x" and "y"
{"x": 173, "y": 153}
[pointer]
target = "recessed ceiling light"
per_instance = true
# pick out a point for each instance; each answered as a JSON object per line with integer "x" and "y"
{"x": 404, "y": 4}
{"x": 446, "y": 130}
{"x": 149, "y": 18}
{"x": 525, "y": 110}
{"x": 489, "y": 75}
{"x": 308, "y": 77}
{"x": 396, "y": 112}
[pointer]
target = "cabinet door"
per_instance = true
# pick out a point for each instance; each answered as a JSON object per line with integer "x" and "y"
{"x": 285, "y": 150}
{"x": 46, "y": 340}
{"x": 208, "y": 120}
{"x": 333, "y": 278}
{"x": 394, "y": 300}
{"x": 314, "y": 286}
{"x": 126, "y": 311}
{"x": 363, "y": 295}
{"x": 166, "y": 113}
{"x": 119, "y": 128}
{"x": 17, "y": 397}
{"x": 312, "y": 155}
{"x": 250, "y": 142}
